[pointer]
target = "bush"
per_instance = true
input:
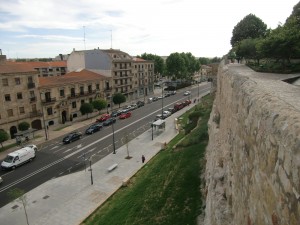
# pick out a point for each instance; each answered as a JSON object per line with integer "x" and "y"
{"x": 23, "y": 126}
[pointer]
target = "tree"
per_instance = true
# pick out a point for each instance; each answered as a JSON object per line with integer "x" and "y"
{"x": 247, "y": 49}
{"x": 23, "y": 126}
{"x": 175, "y": 66}
{"x": 119, "y": 98}
{"x": 159, "y": 65}
{"x": 3, "y": 137}
{"x": 86, "y": 108}
{"x": 249, "y": 27}
{"x": 203, "y": 60}
{"x": 19, "y": 194}
{"x": 99, "y": 104}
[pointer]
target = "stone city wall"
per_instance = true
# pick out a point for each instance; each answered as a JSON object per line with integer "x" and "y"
{"x": 253, "y": 156}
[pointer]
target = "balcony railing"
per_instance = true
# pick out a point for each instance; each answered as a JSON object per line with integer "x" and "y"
{"x": 32, "y": 99}
{"x": 31, "y": 85}
{"x": 35, "y": 114}
{"x": 49, "y": 101}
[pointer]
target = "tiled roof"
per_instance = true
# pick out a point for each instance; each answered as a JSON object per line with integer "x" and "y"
{"x": 15, "y": 67}
{"x": 139, "y": 60}
{"x": 19, "y": 67}
{"x": 48, "y": 64}
{"x": 72, "y": 77}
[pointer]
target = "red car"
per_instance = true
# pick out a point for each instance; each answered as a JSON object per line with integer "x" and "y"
{"x": 103, "y": 118}
{"x": 125, "y": 115}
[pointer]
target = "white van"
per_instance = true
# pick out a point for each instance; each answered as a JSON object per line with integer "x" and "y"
{"x": 18, "y": 158}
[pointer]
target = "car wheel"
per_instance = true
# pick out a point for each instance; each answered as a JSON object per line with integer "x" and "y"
{"x": 13, "y": 168}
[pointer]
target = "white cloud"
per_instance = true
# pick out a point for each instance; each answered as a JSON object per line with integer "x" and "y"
{"x": 159, "y": 26}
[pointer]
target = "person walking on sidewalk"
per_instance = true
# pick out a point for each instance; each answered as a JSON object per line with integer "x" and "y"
{"x": 143, "y": 158}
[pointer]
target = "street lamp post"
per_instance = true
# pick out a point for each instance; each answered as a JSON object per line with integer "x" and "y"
{"x": 45, "y": 128}
{"x": 199, "y": 87}
{"x": 114, "y": 146}
{"x": 162, "y": 99}
{"x": 92, "y": 181}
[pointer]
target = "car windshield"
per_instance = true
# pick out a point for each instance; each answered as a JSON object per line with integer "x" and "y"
{"x": 8, "y": 159}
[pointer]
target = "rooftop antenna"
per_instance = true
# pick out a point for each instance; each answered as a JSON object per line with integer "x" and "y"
{"x": 84, "y": 37}
{"x": 111, "y": 39}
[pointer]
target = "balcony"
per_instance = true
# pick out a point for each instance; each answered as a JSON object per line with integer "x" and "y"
{"x": 32, "y": 99}
{"x": 31, "y": 85}
{"x": 48, "y": 101}
{"x": 35, "y": 114}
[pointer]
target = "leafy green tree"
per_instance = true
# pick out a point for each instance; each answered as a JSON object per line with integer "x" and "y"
{"x": 23, "y": 126}
{"x": 203, "y": 60}
{"x": 19, "y": 194}
{"x": 247, "y": 49}
{"x": 86, "y": 108}
{"x": 215, "y": 60}
{"x": 159, "y": 65}
{"x": 249, "y": 27}
{"x": 3, "y": 137}
{"x": 283, "y": 43}
{"x": 119, "y": 98}
{"x": 191, "y": 63}
{"x": 175, "y": 66}
{"x": 99, "y": 104}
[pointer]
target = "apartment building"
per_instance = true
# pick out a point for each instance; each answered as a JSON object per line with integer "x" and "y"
{"x": 123, "y": 70}
{"x": 49, "y": 69}
{"x": 143, "y": 76}
{"x": 19, "y": 96}
{"x": 62, "y": 96}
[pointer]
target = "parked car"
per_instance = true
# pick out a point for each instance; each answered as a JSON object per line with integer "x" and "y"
{"x": 94, "y": 128}
{"x": 140, "y": 104}
{"x": 125, "y": 111}
{"x": 72, "y": 137}
{"x": 150, "y": 100}
{"x": 1, "y": 180}
{"x": 32, "y": 147}
{"x": 154, "y": 99}
{"x": 125, "y": 115}
{"x": 17, "y": 158}
{"x": 103, "y": 117}
{"x": 127, "y": 107}
{"x": 116, "y": 113}
{"x": 159, "y": 97}
{"x": 133, "y": 106}
{"x": 171, "y": 110}
{"x": 186, "y": 93}
{"x": 173, "y": 92}
{"x": 159, "y": 116}
{"x": 166, "y": 113}
{"x": 109, "y": 121}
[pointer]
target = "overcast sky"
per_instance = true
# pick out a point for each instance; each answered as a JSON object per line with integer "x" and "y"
{"x": 46, "y": 28}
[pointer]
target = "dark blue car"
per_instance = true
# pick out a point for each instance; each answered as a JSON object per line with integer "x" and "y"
{"x": 94, "y": 128}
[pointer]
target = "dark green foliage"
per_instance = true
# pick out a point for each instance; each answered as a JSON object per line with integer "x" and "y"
{"x": 86, "y": 108}
{"x": 23, "y": 126}
{"x": 119, "y": 98}
{"x": 99, "y": 104}
{"x": 159, "y": 65}
{"x": 3, "y": 137}
{"x": 249, "y": 27}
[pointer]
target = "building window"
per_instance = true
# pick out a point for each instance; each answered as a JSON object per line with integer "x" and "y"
{"x": 30, "y": 80}
{"x": 90, "y": 88}
{"x": 97, "y": 86}
{"x": 81, "y": 90}
{"x": 72, "y": 92}
{"x": 10, "y": 113}
{"x": 22, "y": 110}
{"x": 19, "y": 95}
{"x": 49, "y": 111}
{"x": 5, "y": 82}
{"x": 33, "y": 107}
{"x": 74, "y": 105}
{"x": 18, "y": 81}
{"x": 82, "y": 101}
{"x": 91, "y": 100}
{"x": 7, "y": 97}
{"x": 62, "y": 93}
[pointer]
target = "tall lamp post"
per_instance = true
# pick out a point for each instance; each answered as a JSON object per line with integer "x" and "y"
{"x": 199, "y": 87}
{"x": 45, "y": 128}
{"x": 162, "y": 99}
{"x": 114, "y": 146}
{"x": 92, "y": 181}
